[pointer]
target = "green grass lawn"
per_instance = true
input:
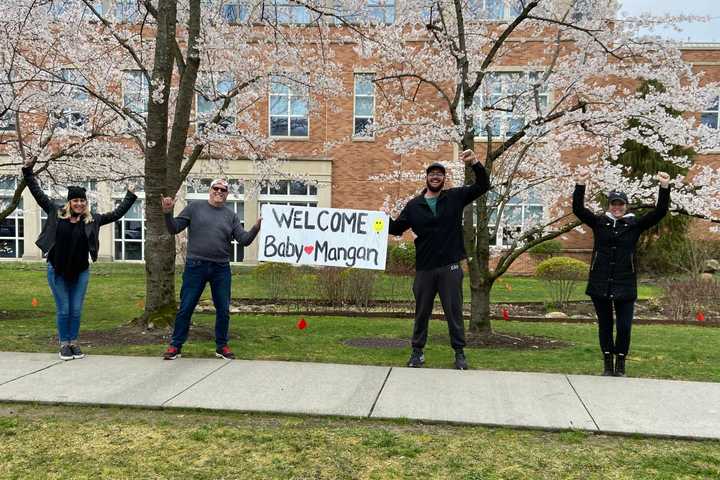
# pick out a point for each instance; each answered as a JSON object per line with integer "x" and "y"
{"x": 115, "y": 291}
{"x": 116, "y": 443}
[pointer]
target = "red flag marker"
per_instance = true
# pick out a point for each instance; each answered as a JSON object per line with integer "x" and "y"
{"x": 700, "y": 316}
{"x": 302, "y": 324}
{"x": 505, "y": 314}
{"x": 35, "y": 302}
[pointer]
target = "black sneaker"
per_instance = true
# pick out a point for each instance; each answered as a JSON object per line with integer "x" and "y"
{"x": 66, "y": 352}
{"x": 417, "y": 358}
{"x": 76, "y": 352}
{"x": 171, "y": 353}
{"x": 225, "y": 352}
{"x": 460, "y": 362}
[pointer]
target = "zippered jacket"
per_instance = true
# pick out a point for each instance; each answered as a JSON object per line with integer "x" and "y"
{"x": 613, "y": 268}
{"x": 439, "y": 239}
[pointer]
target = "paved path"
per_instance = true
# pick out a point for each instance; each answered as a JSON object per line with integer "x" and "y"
{"x": 516, "y": 399}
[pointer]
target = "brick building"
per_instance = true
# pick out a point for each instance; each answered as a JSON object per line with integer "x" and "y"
{"x": 340, "y": 179}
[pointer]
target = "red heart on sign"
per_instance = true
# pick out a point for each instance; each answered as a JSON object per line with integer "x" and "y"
{"x": 505, "y": 314}
{"x": 700, "y": 316}
{"x": 309, "y": 249}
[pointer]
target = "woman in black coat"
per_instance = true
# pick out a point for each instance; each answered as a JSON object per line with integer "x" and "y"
{"x": 69, "y": 238}
{"x": 612, "y": 282}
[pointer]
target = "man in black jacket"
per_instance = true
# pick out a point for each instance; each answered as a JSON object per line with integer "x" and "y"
{"x": 435, "y": 216}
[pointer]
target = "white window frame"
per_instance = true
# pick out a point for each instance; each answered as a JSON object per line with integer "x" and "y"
{"x": 504, "y": 117}
{"x": 286, "y": 12}
{"x": 215, "y": 80}
{"x": 499, "y": 240}
{"x": 309, "y": 199}
{"x": 74, "y": 120}
{"x": 713, "y": 111}
{"x": 507, "y": 10}
{"x": 242, "y": 12}
{"x": 144, "y": 90}
{"x": 126, "y": 11}
{"x": 7, "y": 121}
{"x": 355, "y": 134}
{"x": 117, "y": 197}
{"x": 18, "y": 218}
{"x": 199, "y": 189}
{"x": 290, "y": 95}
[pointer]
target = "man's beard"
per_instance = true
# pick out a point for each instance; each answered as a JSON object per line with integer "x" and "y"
{"x": 434, "y": 189}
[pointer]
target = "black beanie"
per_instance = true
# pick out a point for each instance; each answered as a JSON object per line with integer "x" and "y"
{"x": 76, "y": 192}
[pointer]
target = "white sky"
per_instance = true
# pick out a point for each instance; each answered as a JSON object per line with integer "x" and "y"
{"x": 695, "y": 32}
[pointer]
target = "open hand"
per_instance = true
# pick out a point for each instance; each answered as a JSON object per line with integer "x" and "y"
{"x": 582, "y": 175}
{"x": 131, "y": 187}
{"x": 168, "y": 203}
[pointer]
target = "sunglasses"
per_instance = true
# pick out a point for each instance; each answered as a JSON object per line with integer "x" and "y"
{"x": 220, "y": 189}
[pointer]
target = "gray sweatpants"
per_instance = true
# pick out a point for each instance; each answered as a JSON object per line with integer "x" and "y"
{"x": 448, "y": 282}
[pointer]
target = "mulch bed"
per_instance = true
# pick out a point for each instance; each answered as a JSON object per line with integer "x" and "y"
{"x": 496, "y": 340}
{"x": 20, "y": 314}
{"x": 135, "y": 335}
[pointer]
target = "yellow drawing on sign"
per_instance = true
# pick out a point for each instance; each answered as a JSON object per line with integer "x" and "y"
{"x": 379, "y": 225}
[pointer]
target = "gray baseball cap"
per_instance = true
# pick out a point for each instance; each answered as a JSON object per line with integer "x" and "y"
{"x": 435, "y": 166}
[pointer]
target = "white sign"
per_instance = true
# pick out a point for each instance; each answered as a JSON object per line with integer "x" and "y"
{"x": 323, "y": 236}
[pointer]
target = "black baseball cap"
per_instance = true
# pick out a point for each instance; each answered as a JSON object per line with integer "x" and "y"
{"x": 435, "y": 166}
{"x": 614, "y": 196}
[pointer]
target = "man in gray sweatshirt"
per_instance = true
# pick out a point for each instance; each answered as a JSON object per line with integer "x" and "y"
{"x": 211, "y": 229}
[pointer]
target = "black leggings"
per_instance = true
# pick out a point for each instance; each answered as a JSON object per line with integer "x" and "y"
{"x": 624, "y": 310}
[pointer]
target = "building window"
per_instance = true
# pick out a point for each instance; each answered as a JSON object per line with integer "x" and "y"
{"x": 378, "y": 12}
{"x": 127, "y": 11}
{"x": 285, "y": 12}
{"x": 75, "y": 96}
{"x": 129, "y": 231}
{"x": 197, "y": 191}
{"x": 494, "y": 9}
{"x": 209, "y": 102}
{"x": 289, "y": 109}
{"x": 12, "y": 228}
{"x": 236, "y": 12}
{"x": 512, "y": 94}
{"x": 59, "y": 9}
{"x": 519, "y": 214}
{"x": 364, "y": 105}
{"x": 289, "y": 192}
{"x": 135, "y": 92}
{"x": 711, "y": 116}
{"x": 7, "y": 119}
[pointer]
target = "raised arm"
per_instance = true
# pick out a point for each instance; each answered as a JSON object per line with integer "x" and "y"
{"x": 400, "y": 225}
{"x": 578, "y": 204}
{"x": 121, "y": 210}
{"x": 482, "y": 179}
{"x": 244, "y": 237}
{"x": 43, "y": 200}
{"x": 653, "y": 217}
{"x": 179, "y": 223}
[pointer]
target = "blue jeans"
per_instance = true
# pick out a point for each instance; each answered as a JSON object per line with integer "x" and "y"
{"x": 69, "y": 298}
{"x": 197, "y": 273}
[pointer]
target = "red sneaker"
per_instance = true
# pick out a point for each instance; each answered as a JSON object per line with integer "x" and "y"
{"x": 171, "y": 353}
{"x": 225, "y": 352}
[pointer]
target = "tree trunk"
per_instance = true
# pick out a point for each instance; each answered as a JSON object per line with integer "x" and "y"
{"x": 480, "y": 306}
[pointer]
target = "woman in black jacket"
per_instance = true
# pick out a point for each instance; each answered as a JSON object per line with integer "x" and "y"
{"x": 613, "y": 280}
{"x": 69, "y": 236}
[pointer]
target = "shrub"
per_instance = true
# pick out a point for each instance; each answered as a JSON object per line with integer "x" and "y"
{"x": 561, "y": 275}
{"x": 401, "y": 258}
{"x": 330, "y": 285}
{"x": 683, "y": 298}
{"x": 359, "y": 286}
{"x": 276, "y": 279}
{"x": 547, "y": 248}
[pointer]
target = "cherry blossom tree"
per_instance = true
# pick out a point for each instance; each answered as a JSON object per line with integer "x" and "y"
{"x": 143, "y": 67}
{"x": 540, "y": 88}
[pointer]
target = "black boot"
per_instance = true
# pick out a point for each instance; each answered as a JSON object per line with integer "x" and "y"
{"x": 608, "y": 368}
{"x": 620, "y": 366}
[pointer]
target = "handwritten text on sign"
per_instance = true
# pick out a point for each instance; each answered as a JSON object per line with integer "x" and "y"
{"x": 323, "y": 236}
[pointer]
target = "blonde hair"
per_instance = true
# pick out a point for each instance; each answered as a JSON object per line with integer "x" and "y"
{"x": 64, "y": 212}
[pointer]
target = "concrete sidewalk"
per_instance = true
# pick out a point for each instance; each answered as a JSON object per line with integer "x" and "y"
{"x": 515, "y": 399}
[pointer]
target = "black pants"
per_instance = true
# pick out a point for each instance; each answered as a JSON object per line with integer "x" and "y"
{"x": 624, "y": 310}
{"x": 448, "y": 282}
